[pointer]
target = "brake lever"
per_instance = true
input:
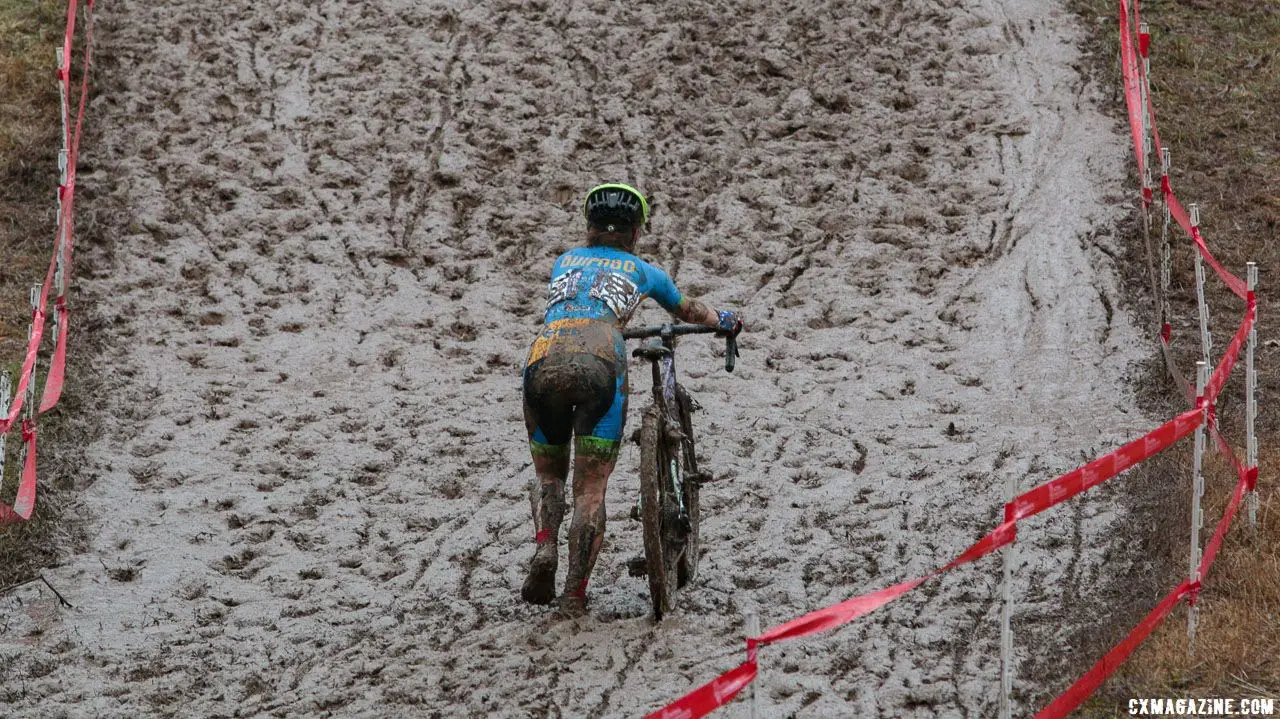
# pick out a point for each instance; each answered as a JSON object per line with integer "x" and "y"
{"x": 730, "y": 352}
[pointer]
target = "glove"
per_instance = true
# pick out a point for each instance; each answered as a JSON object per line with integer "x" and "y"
{"x": 730, "y": 324}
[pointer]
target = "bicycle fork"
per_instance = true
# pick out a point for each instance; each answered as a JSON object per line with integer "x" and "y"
{"x": 677, "y": 491}
{"x": 664, "y": 372}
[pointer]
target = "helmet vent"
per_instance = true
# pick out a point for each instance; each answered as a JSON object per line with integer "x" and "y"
{"x": 616, "y": 205}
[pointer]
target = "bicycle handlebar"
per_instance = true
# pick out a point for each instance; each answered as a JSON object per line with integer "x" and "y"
{"x": 636, "y": 333}
{"x": 730, "y": 341}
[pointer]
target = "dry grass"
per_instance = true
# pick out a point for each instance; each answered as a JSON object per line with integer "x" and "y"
{"x": 29, "y": 144}
{"x": 29, "y": 128}
{"x": 1216, "y": 86}
{"x": 1238, "y": 626}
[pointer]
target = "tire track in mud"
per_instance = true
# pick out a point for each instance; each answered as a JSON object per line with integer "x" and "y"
{"x": 333, "y": 261}
{"x": 446, "y": 108}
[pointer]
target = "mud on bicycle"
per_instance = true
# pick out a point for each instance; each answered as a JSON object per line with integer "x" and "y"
{"x": 670, "y": 480}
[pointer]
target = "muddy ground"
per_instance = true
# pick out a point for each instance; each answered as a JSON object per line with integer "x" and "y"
{"x": 325, "y": 233}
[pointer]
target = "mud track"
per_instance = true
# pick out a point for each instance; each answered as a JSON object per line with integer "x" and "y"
{"x": 330, "y": 225}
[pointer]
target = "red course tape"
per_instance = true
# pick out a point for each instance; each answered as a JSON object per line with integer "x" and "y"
{"x": 1219, "y": 378}
{"x": 57, "y": 368}
{"x": 24, "y": 375}
{"x": 1235, "y": 284}
{"x": 708, "y": 697}
{"x": 1129, "y": 66}
{"x": 1211, "y": 549}
{"x": 25, "y": 502}
{"x": 1092, "y": 679}
{"x": 1100, "y": 470}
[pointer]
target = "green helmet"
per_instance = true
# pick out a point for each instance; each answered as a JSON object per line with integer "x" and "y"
{"x": 615, "y": 204}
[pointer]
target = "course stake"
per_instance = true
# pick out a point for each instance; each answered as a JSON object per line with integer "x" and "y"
{"x": 1197, "y": 492}
{"x": 1251, "y": 398}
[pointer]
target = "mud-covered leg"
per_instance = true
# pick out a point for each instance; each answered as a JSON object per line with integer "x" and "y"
{"x": 546, "y": 496}
{"x": 546, "y": 499}
{"x": 593, "y": 463}
{"x": 546, "y": 490}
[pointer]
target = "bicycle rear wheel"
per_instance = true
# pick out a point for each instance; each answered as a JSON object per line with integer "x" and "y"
{"x": 655, "y": 505}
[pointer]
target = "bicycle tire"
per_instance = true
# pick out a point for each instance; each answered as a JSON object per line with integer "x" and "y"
{"x": 652, "y": 478}
{"x": 687, "y": 569}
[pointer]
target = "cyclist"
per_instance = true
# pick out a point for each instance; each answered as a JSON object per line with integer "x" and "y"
{"x": 575, "y": 382}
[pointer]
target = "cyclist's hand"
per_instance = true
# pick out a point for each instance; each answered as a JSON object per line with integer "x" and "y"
{"x": 730, "y": 324}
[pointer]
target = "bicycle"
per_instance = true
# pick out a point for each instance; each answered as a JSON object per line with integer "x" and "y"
{"x": 669, "y": 476}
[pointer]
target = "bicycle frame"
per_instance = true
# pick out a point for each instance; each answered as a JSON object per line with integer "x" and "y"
{"x": 664, "y": 394}
{"x": 669, "y": 474}
{"x": 662, "y": 356}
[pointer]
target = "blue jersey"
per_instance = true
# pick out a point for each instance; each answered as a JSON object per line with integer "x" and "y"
{"x": 605, "y": 283}
{"x": 592, "y": 293}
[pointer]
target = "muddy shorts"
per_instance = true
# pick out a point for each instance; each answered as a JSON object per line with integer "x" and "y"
{"x": 580, "y": 394}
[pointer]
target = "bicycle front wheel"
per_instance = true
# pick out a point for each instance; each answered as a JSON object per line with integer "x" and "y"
{"x": 659, "y": 561}
{"x": 691, "y": 485}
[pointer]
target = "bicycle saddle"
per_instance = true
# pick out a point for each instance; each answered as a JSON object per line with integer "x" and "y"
{"x": 651, "y": 351}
